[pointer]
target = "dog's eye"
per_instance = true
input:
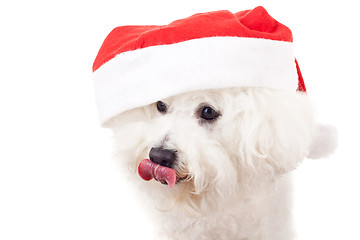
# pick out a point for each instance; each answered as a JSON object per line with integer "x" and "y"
{"x": 161, "y": 107}
{"x": 209, "y": 114}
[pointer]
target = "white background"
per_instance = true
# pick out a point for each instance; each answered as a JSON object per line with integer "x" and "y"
{"x": 57, "y": 179}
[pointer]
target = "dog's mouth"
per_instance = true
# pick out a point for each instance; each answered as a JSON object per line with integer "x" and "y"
{"x": 149, "y": 170}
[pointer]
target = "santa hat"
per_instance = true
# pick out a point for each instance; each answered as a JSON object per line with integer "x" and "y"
{"x": 139, "y": 65}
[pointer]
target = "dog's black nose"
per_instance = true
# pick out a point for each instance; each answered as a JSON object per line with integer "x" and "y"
{"x": 164, "y": 157}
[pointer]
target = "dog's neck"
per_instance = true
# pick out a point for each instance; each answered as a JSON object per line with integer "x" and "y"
{"x": 267, "y": 209}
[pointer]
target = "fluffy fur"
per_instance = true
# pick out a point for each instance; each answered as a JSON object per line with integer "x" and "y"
{"x": 237, "y": 184}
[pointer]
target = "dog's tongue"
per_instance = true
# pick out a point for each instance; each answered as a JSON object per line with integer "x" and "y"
{"x": 149, "y": 170}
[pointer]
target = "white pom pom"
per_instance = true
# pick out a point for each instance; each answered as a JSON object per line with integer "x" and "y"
{"x": 324, "y": 143}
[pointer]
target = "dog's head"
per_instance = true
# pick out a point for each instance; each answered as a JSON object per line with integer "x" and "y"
{"x": 219, "y": 142}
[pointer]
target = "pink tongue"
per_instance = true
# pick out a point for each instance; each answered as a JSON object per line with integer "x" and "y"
{"x": 149, "y": 170}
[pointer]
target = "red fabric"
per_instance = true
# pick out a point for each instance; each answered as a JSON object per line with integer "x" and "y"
{"x": 301, "y": 84}
{"x": 256, "y": 23}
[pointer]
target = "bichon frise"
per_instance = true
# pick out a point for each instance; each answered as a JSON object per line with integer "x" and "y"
{"x": 231, "y": 149}
{"x": 209, "y": 122}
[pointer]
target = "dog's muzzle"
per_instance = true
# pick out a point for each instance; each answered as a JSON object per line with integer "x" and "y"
{"x": 159, "y": 167}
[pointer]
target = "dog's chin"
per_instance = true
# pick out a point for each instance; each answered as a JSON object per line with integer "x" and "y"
{"x": 185, "y": 197}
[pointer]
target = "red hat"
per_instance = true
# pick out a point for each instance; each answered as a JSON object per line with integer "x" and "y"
{"x": 139, "y": 65}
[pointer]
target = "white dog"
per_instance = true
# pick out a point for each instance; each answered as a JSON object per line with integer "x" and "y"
{"x": 232, "y": 150}
{"x": 214, "y": 163}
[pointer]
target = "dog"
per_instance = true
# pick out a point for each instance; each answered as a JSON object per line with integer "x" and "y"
{"x": 210, "y": 115}
{"x": 233, "y": 151}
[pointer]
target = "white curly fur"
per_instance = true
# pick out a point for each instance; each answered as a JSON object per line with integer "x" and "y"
{"x": 237, "y": 168}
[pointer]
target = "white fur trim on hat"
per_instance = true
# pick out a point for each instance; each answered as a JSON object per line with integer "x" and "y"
{"x": 325, "y": 142}
{"x": 140, "y": 77}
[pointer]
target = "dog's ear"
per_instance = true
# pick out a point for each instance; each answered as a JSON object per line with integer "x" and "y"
{"x": 275, "y": 131}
